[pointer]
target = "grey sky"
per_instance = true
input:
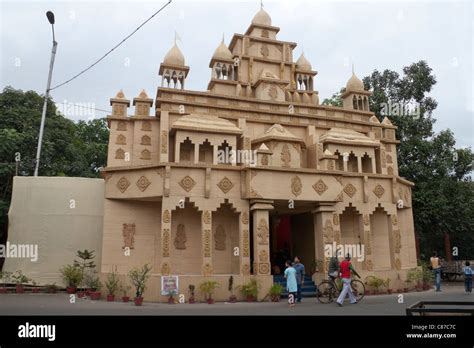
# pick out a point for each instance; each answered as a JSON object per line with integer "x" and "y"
{"x": 334, "y": 34}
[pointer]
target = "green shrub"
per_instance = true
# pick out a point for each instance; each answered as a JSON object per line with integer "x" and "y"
{"x": 250, "y": 289}
{"x": 72, "y": 275}
{"x": 139, "y": 277}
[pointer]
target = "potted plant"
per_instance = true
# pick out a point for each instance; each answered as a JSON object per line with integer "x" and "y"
{"x": 374, "y": 283}
{"x": 5, "y": 278}
{"x": 94, "y": 285}
{"x": 208, "y": 288}
{"x": 35, "y": 289}
{"x": 250, "y": 290}
{"x": 415, "y": 276}
{"x": 20, "y": 280}
{"x": 51, "y": 288}
{"x": 112, "y": 284}
{"x": 191, "y": 293}
{"x": 124, "y": 289}
{"x": 275, "y": 292}
{"x": 171, "y": 299}
{"x": 72, "y": 277}
{"x": 232, "y": 298}
{"x": 139, "y": 277}
{"x": 85, "y": 263}
{"x": 387, "y": 286}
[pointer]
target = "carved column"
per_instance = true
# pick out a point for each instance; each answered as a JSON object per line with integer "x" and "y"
{"x": 359, "y": 164}
{"x": 326, "y": 231}
{"x": 368, "y": 266}
{"x": 164, "y": 137}
{"x": 166, "y": 209}
{"x": 206, "y": 232}
{"x": 244, "y": 238}
{"x": 261, "y": 236}
{"x": 196, "y": 153}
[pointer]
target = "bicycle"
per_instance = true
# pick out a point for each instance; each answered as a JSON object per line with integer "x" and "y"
{"x": 328, "y": 290}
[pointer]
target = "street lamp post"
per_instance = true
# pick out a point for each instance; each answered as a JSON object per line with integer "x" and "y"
{"x": 50, "y": 16}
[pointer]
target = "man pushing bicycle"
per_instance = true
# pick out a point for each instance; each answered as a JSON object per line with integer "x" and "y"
{"x": 345, "y": 270}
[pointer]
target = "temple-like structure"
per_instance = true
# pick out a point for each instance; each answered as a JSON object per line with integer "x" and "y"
{"x": 303, "y": 175}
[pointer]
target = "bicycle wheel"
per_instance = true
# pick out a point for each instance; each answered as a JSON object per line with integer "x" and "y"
{"x": 358, "y": 289}
{"x": 326, "y": 292}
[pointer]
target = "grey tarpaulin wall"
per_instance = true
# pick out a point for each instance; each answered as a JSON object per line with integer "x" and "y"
{"x": 59, "y": 214}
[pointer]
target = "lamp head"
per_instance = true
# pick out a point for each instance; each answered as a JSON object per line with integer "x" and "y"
{"x": 50, "y": 16}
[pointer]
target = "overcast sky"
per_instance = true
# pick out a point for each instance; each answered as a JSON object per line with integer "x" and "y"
{"x": 334, "y": 34}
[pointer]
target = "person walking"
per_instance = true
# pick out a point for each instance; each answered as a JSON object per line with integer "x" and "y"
{"x": 436, "y": 267}
{"x": 299, "y": 268}
{"x": 345, "y": 271}
{"x": 467, "y": 270}
{"x": 290, "y": 275}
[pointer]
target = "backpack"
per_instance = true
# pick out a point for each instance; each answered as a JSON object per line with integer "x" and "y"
{"x": 467, "y": 271}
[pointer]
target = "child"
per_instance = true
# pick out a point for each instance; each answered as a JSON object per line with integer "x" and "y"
{"x": 291, "y": 286}
{"x": 467, "y": 277}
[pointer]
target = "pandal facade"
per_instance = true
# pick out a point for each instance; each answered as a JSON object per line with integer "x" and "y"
{"x": 322, "y": 174}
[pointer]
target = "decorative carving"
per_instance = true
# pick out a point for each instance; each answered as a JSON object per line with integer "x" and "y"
{"x": 335, "y": 219}
{"x": 389, "y": 159}
{"x": 206, "y": 217}
{"x": 123, "y": 184}
{"x": 146, "y": 126}
{"x": 264, "y": 51}
{"x": 264, "y": 160}
{"x": 225, "y": 184}
{"x": 187, "y": 183}
{"x": 262, "y": 232}
{"x": 166, "y": 216}
{"x": 263, "y": 268}
{"x": 245, "y": 218}
{"x": 394, "y": 220}
{"x": 165, "y": 269}
{"x": 330, "y": 165}
{"x": 246, "y": 269}
{"x": 350, "y": 190}
{"x": 337, "y": 237}
{"x": 285, "y": 155}
{"x": 272, "y": 92}
{"x": 320, "y": 187}
{"x": 398, "y": 264}
{"x": 146, "y": 140}
{"x": 245, "y": 243}
{"x": 390, "y": 170}
{"x": 143, "y": 183}
{"x": 265, "y": 33}
{"x": 119, "y": 154}
{"x": 146, "y": 155}
{"x": 398, "y": 240}
{"x": 122, "y": 126}
{"x": 379, "y": 191}
{"x": 180, "y": 239}
{"x": 328, "y": 232}
{"x": 220, "y": 238}
{"x": 296, "y": 186}
{"x": 263, "y": 256}
{"x": 247, "y": 143}
{"x": 121, "y": 140}
{"x": 207, "y": 243}
{"x": 164, "y": 142}
{"x": 128, "y": 233}
{"x": 368, "y": 242}
{"x": 369, "y": 265}
{"x": 339, "y": 180}
{"x": 207, "y": 269}
{"x": 340, "y": 197}
{"x": 366, "y": 220}
{"x": 383, "y": 158}
{"x": 166, "y": 242}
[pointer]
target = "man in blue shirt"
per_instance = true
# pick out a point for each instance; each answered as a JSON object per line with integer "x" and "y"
{"x": 299, "y": 268}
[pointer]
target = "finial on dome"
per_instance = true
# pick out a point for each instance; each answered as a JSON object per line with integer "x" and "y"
{"x": 303, "y": 64}
{"x": 354, "y": 83}
{"x": 262, "y": 18}
{"x": 174, "y": 55}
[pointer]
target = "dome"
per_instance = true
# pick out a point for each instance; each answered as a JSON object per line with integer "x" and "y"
{"x": 222, "y": 52}
{"x": 354, "y": 84}
{"x": 174, "y": 56}
{"x": 303, "y": 64}
{"x": 262, "y": 18}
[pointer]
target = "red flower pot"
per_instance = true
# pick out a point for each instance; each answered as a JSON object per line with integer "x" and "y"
{"x": 171, "y": 300}
{"x": 125, "y": 298}
{"x": 35, "y": 290}
{"x": 250, "y": 298}
{"x": 88, "y": 292}
{"x": 19, "y": 289}
{"x": 389, "y": 291}
{"x": 110, "y": 298}
{"x": 233, "y": 299}
{"x": 3, "y": 290}
{"x": 192, "y": 300}
{"x": 71, "y": 289}
{"x": 138, "y": 301}
{"x": 81, "y": 294}
{"x": 95, "y": 295}
{"x": 405, "y": 289}
{"x": 210, "y": 301}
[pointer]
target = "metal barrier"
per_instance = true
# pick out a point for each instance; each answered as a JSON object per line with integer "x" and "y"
{"x": 421, "y": 309}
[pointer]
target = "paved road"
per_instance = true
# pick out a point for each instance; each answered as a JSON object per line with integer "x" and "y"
{"x": 58, "y": 304}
